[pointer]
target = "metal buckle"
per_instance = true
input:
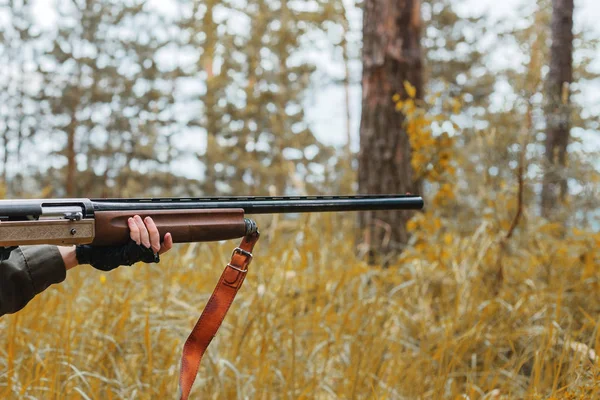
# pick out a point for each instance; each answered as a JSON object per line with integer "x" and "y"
{"x": 238, "y": 269}
{"x": 242, "y": 252}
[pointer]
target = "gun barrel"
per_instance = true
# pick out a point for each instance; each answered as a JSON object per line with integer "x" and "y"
{"x": 267, "y": 205}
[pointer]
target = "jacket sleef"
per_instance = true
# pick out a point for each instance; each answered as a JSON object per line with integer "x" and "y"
{"x": 26, "y": 271}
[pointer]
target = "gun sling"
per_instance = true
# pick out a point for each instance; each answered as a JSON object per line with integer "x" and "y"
{"x": 213, "y": 314}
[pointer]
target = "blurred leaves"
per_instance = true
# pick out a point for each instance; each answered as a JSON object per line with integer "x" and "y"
{"x": 119, "y": 88}
{"x": 254, "y": 115}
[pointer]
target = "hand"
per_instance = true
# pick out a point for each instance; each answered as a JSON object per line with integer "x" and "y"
{"x": 147, "y": 235}
{"x": 144, "y": 246}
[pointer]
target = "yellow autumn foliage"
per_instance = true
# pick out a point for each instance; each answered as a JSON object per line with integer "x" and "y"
{"x": 495, "y": 263}
{"x": 467, "y": 311}
{"x": 312, "y": 321}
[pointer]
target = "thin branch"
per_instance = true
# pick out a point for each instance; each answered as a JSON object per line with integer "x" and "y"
{"x": 520, "y": 178}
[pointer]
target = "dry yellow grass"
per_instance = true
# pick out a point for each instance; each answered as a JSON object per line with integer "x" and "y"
{"x": 310, "y": 322}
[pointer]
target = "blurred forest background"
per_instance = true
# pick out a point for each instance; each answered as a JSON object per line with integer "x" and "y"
{"x": 491, "y": 292}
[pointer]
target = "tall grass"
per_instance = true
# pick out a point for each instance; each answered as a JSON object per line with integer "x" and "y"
{"x": 311, "y": 321}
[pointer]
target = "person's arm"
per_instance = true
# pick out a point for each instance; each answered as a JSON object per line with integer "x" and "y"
{"x": 69, "y": 256}
{"x": 28, "y": 270}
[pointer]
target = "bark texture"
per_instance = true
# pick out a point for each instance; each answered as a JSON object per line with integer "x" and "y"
{"x": 391, "y": 56}
{"x": 71, "y": 162}
{"x": 558, "y": 110}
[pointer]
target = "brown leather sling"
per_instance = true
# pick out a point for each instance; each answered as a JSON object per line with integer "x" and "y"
{"x": 214, "y": 313}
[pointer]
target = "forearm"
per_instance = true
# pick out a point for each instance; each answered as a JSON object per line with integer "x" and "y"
{"x": 27, "y": 271}
{"x": 69, "y": 256}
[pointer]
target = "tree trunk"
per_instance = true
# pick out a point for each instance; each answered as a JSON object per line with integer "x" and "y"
{"x": 558, "y": 108}
{"x": 71, "y": 166}
{"x": 5, "y": 161}
{"x": 391, "y": 56}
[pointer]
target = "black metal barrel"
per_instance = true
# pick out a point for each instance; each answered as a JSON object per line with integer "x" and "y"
{"x": 267, "y": 205}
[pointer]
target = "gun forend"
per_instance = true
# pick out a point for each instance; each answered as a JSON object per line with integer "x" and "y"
{"x": 184, "y": 225}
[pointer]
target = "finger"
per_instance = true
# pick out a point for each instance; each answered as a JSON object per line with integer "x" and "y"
{"x": 167, "y": 244}
{"x": 154, "y": 235}
{"x": 134, "y": 231}
{"x": 144, "y": 237}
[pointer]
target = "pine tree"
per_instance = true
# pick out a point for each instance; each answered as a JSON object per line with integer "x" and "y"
{"x": 252, "y": 111}
{"x": 105, "y": 98}
{"x": 392, "y": 65}
{"x": 558, "y": 110}
{"x": 18, "y": 108}
{"x": 511, "y": 131}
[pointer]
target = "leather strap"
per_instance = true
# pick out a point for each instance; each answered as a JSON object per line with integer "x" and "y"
{"x": 213, "y": 314}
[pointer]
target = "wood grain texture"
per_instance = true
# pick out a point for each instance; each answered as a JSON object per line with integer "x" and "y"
{"x": 184, "y": 225}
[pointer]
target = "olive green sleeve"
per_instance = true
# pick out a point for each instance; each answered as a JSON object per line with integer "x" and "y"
{"x": 27, "y": 271}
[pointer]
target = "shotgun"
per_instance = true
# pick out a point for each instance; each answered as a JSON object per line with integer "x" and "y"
{"x": 103, "y": 222}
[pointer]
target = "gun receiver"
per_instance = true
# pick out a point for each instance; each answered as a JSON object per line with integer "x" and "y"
{"x": 104, "y": 221}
